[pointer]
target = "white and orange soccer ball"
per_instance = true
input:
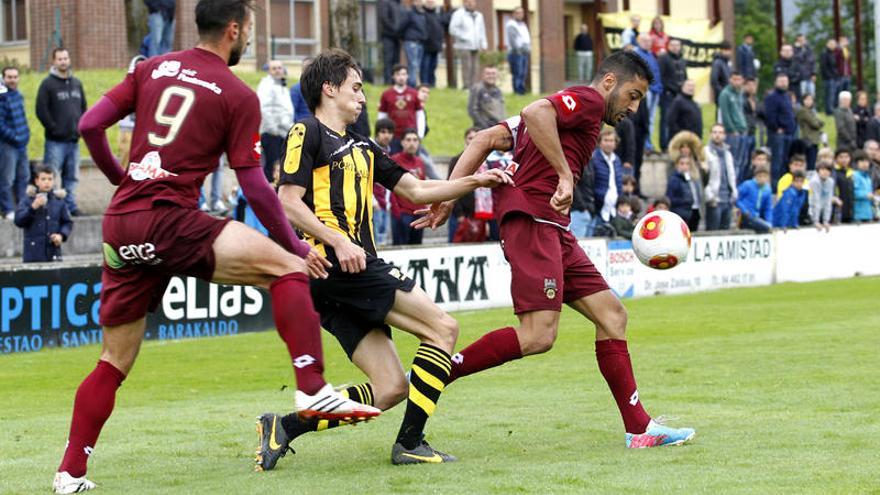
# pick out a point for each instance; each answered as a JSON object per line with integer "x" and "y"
{"x": 661, "y": 240}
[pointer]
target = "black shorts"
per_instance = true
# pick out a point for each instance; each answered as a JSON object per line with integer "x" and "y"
{"x": 352, "y": 304}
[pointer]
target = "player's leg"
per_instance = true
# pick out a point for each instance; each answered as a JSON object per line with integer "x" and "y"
{"x": 94, "y": 402}
{"x": 244, "y": 256}
{"x": 609, "y": 315}
{"x": 416, "y": 313}
{"x": 377, "y": 357}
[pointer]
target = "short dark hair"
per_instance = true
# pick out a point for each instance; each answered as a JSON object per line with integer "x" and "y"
{"x": 841, "y": 151}
{"x": 423, "y": 85}
{"x": 330, "y": 66}
{"x": 751, "y": 79}
{"x": 662, "y": 200}
{"x": 385, "y": 125}
{"x": 797, "y": 157}
{"x": 8, "y": 67}
{"x": 629, "y": 179}
{"x": 780, "y": 74}
{"x": 470, "y": 130}
{"x": 59, "y": 49}
{"x": 399, "y": 67}
{"x": 725, "y": 45}
{"x": 761, "y": 151}
{"x": 798, "y": 174}
{"x": 860, "y": 155}
{"x": 407, "y": 132}
{"x": 43, "y": 169}
{"x": 626, "y": 65}
{"x": 622, "y": 200}
{"x": 736, "y": 73}
{"x": 212, "y": 16}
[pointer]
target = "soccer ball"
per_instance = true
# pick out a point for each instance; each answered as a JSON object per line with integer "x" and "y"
{"x": 661, "y": 240}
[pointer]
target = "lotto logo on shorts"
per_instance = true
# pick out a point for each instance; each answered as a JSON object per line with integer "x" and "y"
{"x": 303, "y": 361}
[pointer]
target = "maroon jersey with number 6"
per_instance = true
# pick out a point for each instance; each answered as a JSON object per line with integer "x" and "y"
{"x": 189, "y": 109}
{"x": 579, "y": 112}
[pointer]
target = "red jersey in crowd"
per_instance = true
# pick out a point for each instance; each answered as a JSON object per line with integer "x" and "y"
{"x": 415, "y": 166}
{"x": 401, "y": 107}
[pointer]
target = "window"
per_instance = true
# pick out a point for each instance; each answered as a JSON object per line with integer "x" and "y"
{"x": 13, "y": 21}
{"x": 292, "y": 28}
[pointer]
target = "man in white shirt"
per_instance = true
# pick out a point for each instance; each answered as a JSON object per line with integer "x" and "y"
{"x": 519, "y": 46}
{"x": 277, "y": 112}
{"x": 468, "y": 31}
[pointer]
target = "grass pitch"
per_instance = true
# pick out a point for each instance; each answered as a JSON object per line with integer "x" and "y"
{"x": 780, "y": 383}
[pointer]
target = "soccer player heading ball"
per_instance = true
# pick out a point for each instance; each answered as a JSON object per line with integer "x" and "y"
{"x": 552, "y": 140}
{"x": 191, "y": 108}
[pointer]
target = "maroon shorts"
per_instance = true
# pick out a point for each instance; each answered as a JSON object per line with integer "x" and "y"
{"x": 547, "y": 265}
{"x": 144, "y": 249}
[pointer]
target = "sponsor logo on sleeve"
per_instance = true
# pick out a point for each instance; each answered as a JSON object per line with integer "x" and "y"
{"x": 257, "y": 150}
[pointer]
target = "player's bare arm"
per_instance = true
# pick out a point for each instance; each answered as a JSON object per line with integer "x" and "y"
{"x": 352, "y": 258}
{"x": 432, "y": 191}
{"x": 495, "y": 138}
{"x": 540, "y": 120}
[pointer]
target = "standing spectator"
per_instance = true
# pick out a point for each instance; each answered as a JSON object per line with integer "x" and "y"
{"x": 161, "y": 23}
{"x": 61, "y": 101}
{"x": 689, "y": 145}
{"x": 830, "y": 75}
{"x": 844, "y": 65}
{"x": 809, "y": 129}
{"x": 673, "y": 71}
{"x": 787, "y": 210}
{"x": 750, "y": 111}
{"x": 642, "y": 127}
{"x": 626, "y": 144}
{"x": 300, "y": 107}
{"x": 781, "y": 126}
{"x": 468, "y": 31}
{"x": 755, "y": 202}
{"x": 644, "y": 51}
{"x": 719, "y": 75}
{"x": 786, "y": 65}
{"x": 630, "y": 34}
{"x": 414, "y": 29}
{"x": 14, "y": 136}
{"x": 720, "y": 192}
{"x": 435, "y": 25}
{"x": 381, "y": 195}
{"x": 464, "y": 205}
{"x": 805, "y": 61}
{"x": 485, "y": 101}
{"x": 683, "y": 192}
{"x": 872, "y": 148}
{"x": 730, "y": 105}
{"x": 390, "y": 13}
{"x": 276, "y": 110}
{"x": 843, "y": 186}
{"x": 873, "y": 132}
{"x": 845, "y": 122}
{"x": 607, "y": 176}
{"x": 862, "y": 115}
{"x": 401, "y": 104}
{"x": 43, "y": 215}
{"x": 424, "y": 92}
{"x": 863, "y": 190}
{"x": 659, "y": 38}
{"x": 583, "y": 205}
{"x": 745, "y": 58}
{"x": 684, "y": 113}
{"x": 821, "y": 194}
{"x": 519, "y": 46}
{"x": 583, "y": 51}
{"x": 402, "y": 209}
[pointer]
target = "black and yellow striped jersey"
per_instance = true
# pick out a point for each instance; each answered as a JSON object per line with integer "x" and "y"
{"x": 337, "y": 172}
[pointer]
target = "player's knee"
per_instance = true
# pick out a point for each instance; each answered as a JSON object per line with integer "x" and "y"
{"x": 615, "y": 322}
{"x": 538, "y": 338}
{"x": 447, "y": 332}
{"x": 391, "y": 392}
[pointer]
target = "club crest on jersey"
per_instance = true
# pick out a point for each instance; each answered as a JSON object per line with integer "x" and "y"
{"x": 150, "y": 167}
{"x": 168, "y": 68}
{"x": 550, "y": 288}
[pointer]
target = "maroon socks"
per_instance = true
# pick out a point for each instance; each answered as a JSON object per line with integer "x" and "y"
{"x": 490, "y": 350}
{"x": 300, "y": 328}
{"x": 615, "y": 365}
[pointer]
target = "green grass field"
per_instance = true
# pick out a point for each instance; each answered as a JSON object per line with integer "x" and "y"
{"x": 780, "y": 383}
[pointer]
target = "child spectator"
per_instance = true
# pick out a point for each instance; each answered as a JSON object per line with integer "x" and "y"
{"x": 788, "y": 209}
{"x": 381, "y": 196}
{"x": 44, "y": 217}
{"x": 843, "y": 187}
{"x": 684, "y": 193}
{"x": 755, "y": 201}
{"x": 622, "y": 222}
{"x": 403, "y": 210}
{"x": 863, "y": 196}
{"x": 821, "y": 195}
{"x": 662, "y": 203}
{"x": 797, "y": 162}
{"x": 629, "y": 186}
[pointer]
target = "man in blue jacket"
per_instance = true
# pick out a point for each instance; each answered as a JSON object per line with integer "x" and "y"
{"x": 755, "y": 201}
{"x": 414, "y": 29}
{"x": 300, "y": 107}
{"x": 161, "y": 23}
{"x": 45, "y": 219}
{"x": 745, "y": 57}
{"x": 788, "y": 209}
{"x": 14, "y": 137}
{"x": 781, "y": 126}
{"x": 656, "y": 88}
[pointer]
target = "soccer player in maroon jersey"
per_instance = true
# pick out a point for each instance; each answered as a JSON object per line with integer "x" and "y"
{"x": 191, "y": 108}
{"x": 553, "y": 139}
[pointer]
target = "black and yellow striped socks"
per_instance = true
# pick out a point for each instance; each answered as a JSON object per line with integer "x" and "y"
{"x": 430, "y": 373}
{"x": 294, "y": 426}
